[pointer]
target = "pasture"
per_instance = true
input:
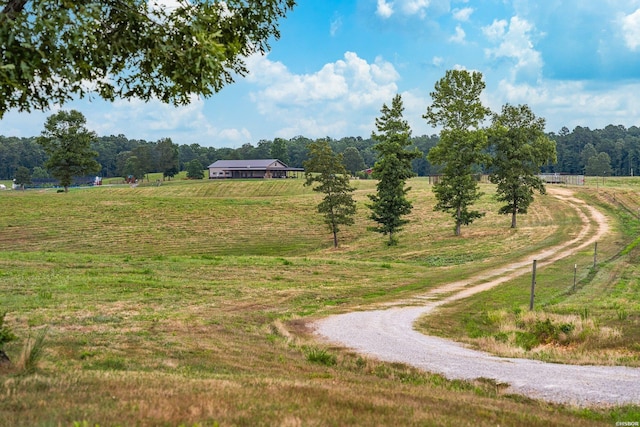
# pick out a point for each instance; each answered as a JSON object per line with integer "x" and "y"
{"x": 188, "y": 304}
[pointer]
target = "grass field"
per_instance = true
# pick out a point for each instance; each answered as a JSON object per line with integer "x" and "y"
{"x": 187, "y": 304}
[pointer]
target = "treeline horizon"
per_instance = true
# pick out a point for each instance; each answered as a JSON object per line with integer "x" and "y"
{"x": 611, "y": 151}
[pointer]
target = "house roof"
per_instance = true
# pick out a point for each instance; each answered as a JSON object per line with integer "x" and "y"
{"x": 260, "y": 164}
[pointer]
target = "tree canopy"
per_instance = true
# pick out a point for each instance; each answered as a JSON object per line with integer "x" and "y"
{"x": 52, "y": 50}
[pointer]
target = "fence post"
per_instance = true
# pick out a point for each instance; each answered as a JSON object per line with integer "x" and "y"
{"x": 595, "y": 255}
{"x": 533, "y": 285}
{"x": 575, "y": 272}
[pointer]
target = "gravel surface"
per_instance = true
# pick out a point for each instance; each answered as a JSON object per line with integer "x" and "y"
{"x": 387, "y": 334}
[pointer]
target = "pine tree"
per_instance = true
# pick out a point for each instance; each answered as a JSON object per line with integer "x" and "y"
{"x": 325, "y": 168}
{"x": 392, "y": 170}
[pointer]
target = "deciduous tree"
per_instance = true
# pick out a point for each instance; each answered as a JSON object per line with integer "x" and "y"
{"x": 168, "y": 158}
{"x": 279, "y": 150}
{"x": 457, "y": 108}
{"x": 393, "y": 168}
{"x": 195, "y": 170}
{"x": 52, "y": 50}
{"x": 325, "y": 168}
{"x": 23, "y": 176}
{"x": 598, "y": 165}
{"x": 353, "y": 160}
{"x": 520, "y": 147}
{"x": 67, "y": 142}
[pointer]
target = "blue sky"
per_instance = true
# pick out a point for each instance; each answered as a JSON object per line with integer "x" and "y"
{"x": 574, "y": 62}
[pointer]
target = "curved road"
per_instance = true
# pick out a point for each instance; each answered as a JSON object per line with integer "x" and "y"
{"x": 388, "y": 335}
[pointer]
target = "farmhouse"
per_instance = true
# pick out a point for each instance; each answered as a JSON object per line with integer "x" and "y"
{"x": 261, "y": 168}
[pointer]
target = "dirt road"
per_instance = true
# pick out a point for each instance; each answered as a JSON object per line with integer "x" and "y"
{"x": 387, "y": 334}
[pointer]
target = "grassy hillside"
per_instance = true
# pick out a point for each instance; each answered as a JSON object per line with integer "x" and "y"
{"x": 186, "y": 304}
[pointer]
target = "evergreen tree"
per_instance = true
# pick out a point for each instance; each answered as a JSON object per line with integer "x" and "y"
{"x": 325, "y": 168}
{"x": 392, "y": 169}
{"x": 458, "y": 109}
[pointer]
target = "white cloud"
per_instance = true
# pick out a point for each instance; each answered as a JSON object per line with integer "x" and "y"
{"x": 631, "y": 30}
{"x": 516, "y": 45}
{"x": 571, "y": 103}
{"x": 350, "y": 86}
{"x": 495, "y": 31}
{"x": 459, "y": 36}
{"x": 384, "y": 10}
{"x": 237, "y": 135}
{"x": 462, "y": 15}
{"x": 336, "y": 24}
{"x": 414, "y": 7}
{"x": 437, "y": 61}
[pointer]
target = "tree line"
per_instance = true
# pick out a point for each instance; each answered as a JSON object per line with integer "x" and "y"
{"x": 612, "y": 151}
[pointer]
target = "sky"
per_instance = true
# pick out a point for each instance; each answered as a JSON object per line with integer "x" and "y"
{"x": 337, "y": 62}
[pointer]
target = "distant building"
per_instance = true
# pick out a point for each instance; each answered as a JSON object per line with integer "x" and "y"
{"x": 261, "y": 168}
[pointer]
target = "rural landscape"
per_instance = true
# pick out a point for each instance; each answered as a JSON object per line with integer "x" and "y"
{"x": 486, "y": 275}
{"x": 192, "y": 303}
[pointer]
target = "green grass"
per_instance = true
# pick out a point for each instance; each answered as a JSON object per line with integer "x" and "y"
{"x": 608, "y": 295}
{"x": 188, "y": 303}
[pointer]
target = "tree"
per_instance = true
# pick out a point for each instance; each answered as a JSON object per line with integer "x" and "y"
{"x": 520, "y": 148}
{"x": 67, "y": 142}
{"x": 392, "y": 169}
{"x": 168, "y": 158}
{"x": 144, "y": 160}
{"x": 457, "y": 108}
{"x": 279, "y": 150}
{"x": 128, "y": 48}
{"x": 40, "y": 173}
{"x": 598, "y": 165}
{"x": 133, "y": 167}
{"x": 325, "y": 168}
{"x": 195, "y": 169}
{"x": 23, "y": 177}
{"x": 353, "y": 160}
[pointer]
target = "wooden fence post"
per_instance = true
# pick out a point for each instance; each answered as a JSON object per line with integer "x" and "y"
{"x": 533, "y": 285}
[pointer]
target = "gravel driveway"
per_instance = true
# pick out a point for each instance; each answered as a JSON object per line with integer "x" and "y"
{"x": 387, "y": 334}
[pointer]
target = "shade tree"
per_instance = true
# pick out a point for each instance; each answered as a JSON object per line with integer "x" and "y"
{"x": 520, "y": 148}
{"x": 54, "y": 51}
{"x": 458, "y": 109}
{"x": 67, "y": 142}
